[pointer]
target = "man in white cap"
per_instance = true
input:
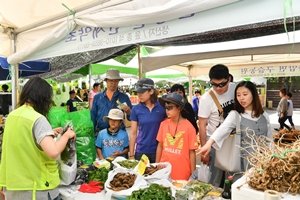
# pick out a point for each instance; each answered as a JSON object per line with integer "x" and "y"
{"x": 110, "y": 98}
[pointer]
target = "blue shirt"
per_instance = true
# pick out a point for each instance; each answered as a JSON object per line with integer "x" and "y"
{"x": 195, "y": 104}
{"x": 102, "y": 105}
{"x": 148, "y": 125}
{"x": 109, "y": 143}
{"x": 72, "y": 105}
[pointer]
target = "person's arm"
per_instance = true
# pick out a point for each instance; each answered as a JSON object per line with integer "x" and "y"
{"x": 94, "y": 111}
{"x": 202, "y": 134}
{"x": 90, "y": 103}
{"x": 68, "y": 106}
{"x": 52, "y": 148}
{"x": 99, "y": 153}
{"x": 158, "y": 152}
{"x": 127, "y": 109}
{"x": 205, "y": 150}
{"x": 224, "y": 130}
{"x": 192, "y": 160}
{"x": 132, "y": 140}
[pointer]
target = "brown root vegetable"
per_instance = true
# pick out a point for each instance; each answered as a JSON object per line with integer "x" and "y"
{"x": 152, "y": 169}
{"x": 122, "y": 181}
{"x": 274, "y": 166}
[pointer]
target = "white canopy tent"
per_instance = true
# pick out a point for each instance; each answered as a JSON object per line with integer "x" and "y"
{"x": 196, "y": 60}
{"x": 243, "y": 57}
{"x": 49, "y": 24}
{"x": 45, "y": 36}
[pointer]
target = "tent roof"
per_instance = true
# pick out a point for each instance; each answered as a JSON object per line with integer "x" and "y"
{"x": 216, "y": 21}
{"x": 270, "y": 50}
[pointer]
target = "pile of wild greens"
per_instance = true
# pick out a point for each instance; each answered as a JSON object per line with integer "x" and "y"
{"x": 154, "y": 191}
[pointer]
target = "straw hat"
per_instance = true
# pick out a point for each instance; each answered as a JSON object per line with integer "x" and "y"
{"x": 113, "y": 74}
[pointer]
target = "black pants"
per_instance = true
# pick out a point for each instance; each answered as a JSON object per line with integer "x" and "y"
{"x": 151, "y": 157}
{"x": 282, "y": 124}
{"x": 290, "y": 120}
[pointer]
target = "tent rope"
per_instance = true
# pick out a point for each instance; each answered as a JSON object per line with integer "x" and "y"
{"x": 71, "y": 12}
{"x": 10, "y": 73}
{"x": 289, "y": 3}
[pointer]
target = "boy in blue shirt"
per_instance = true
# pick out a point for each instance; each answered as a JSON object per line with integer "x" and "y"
{"x": 71, "y": 103}
{"x": 112, "y": 141}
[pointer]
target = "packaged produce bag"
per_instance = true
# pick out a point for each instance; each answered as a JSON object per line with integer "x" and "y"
{"x": 58, "y": 117}
{"x": 85, "y": 140}
{"x": 160, "y": 171}
{"x": 121, "y": 162}
{"x": 68, "y": 160}
{"x": 138, "y": 183}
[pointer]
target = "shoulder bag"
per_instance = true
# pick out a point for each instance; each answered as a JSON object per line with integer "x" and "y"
{"x": 228, "y": 157}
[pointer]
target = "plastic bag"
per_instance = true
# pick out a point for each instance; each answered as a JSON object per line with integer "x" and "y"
{"x": 68, "y": 160}
{"x": 163, "y": 173}
{"x": 121, "y": 158}
{"x": 138, "y": 183}
{"x": 57, "y": 117}
{"x": 85, "y": 140}
{"x": 204, "y": 173}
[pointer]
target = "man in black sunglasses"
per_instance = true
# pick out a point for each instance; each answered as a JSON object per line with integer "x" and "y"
{"x": 209, "y": 116}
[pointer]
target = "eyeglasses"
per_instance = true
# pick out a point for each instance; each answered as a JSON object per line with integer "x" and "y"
{"x": 169, "y": 107}
{"x": 220, "y": 85}
{"x": 112, "y": 81}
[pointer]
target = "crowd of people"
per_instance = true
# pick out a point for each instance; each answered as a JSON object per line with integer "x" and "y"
{"x": 166, "y": 129}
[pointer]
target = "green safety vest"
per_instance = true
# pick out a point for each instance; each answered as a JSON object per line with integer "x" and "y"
{"x": 23, "y": 165}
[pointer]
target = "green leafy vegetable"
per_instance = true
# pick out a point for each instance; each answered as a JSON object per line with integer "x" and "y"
{"x": 154, "y": 191}
{"x": 100, "y": 174}
{"x": 128, "y": 164}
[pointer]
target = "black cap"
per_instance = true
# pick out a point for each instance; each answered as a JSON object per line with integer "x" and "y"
{"x": 143, "y": 85}
{"x": 175, "y": 98}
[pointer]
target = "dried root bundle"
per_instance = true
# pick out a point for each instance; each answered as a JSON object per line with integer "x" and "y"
{"x": 276, "y": 166}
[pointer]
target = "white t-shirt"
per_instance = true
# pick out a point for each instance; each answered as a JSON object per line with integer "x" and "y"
{"x": 230, "y": 123}
{"x": 290, "y": 109}
{"x": 208, "y": 109}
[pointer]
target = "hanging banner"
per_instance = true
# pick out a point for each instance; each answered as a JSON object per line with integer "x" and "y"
{"x": 266, "y": 71}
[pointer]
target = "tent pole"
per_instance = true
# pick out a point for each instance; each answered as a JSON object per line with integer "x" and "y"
{"x": 140, "y": 62}
{"x": 15, "y": 74}
{"x": 190, "y": 83}
{"x": 90, "y": 77}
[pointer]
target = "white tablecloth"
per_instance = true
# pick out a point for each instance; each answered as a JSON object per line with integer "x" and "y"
{"x": 72, "y": 193}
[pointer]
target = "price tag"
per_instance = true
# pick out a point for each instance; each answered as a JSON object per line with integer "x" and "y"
{"x": 143, "y": 164}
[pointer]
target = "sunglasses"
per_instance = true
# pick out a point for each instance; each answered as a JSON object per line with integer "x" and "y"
{"x": 220, "y": 85}
{"x": 144, "y": 86}
{"x": 169, "y": 107}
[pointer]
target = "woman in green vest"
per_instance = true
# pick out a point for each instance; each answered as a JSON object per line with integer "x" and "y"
{"x": 28, "y": 169}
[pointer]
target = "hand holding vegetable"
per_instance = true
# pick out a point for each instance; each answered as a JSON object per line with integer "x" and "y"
{"x": 70, "y": 133}
{"x": 126, "y": 109}
{"x": 57, "y": 130}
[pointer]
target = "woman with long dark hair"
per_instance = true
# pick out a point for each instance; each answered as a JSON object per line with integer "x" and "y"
{"x": 29, "y": 146}
{"x": 253, "y": 121}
